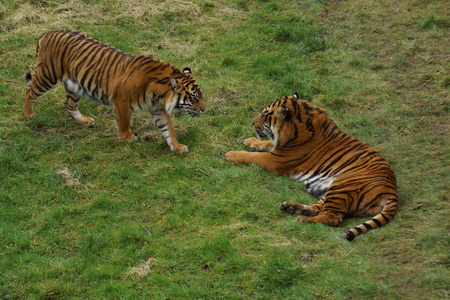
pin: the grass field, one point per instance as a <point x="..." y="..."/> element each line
<point x="85" y="216"/>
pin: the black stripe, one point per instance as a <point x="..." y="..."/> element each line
<point x="377" y="222"/>
<point x="368" y="227"/>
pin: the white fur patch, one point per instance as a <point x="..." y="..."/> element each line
<point x="172" y="105"/>
<point x="317" y="185"/>
<point x="76" y="115"/>
<point x="74" y="87"/>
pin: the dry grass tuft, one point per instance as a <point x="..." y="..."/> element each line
<point x="68" y="177"/>
<point x="27" y="14"/>
<point x="140" y="8"/>
<point x="3" y="12"/>
<point x="36" y="20"/>
<point x="142" y="270"/>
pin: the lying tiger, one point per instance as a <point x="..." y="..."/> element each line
<point x="349" y="177"/>
<point x="109" y="76"/>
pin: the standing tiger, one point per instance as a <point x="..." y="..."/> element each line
<point x="349" y="177"/>
<point x="109" y="76"/>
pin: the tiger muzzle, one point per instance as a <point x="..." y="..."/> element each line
<point x="194" y="114"/>
<point x="261" y="133"/>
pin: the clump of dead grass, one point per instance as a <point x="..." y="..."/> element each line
<point x="27" y="14"/>
<point x="68" y="177"/>
<point x="38" y="19"/>
<point x="3" y="12"/>
<point x="139" y="8"/>
<point x="141" y="270"/>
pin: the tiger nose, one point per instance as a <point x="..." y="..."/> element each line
<point x="201" y="106"/>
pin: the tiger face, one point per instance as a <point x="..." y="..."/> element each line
<point x="189" y="96"/>
<point x="285" y="121"/>
<point x="262" y="123"/>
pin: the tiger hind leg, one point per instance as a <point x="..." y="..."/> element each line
<point x="300" y="209"/>
<point x="317" y="213"/>
<point x="122" y="113"/>
<point x="327" y="218"/>
<point x="37" y="85"/>
<point x="71" y="106"/>
<point x="28" y="110"/>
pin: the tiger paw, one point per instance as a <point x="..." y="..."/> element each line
<point x="287" y="208"/>
<point x="86" y="121"/>
<point x="252" y="142"/>
<point x="256" y="144"/>
<point x="292" y="208"/>
<point x="128" y="137"/>
<point x="234" y="156"/>
<point x="180" y="149"/>
<point x="28" y="114"/>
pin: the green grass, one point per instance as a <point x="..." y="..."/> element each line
<point x="85" y="216"/>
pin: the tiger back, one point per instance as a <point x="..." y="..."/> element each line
<point x="100" y="72"/>
<point x="348" y="177"/>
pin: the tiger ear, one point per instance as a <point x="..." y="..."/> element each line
<point x="285" y="113"/>
<point x="174" y="83"/>
<point x="295" y="95"/>
<point x="187" y="71"/>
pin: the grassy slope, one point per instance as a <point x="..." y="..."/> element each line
<point x="139" y="220"/>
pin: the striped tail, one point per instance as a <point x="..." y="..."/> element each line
<point x="381" y="219"/>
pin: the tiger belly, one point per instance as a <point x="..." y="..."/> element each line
<point x="79" y="91"/>
<point x="317" y="185"/>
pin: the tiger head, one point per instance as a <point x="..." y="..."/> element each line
<point x="288" y="121"/>
<point x="188" y="96"/>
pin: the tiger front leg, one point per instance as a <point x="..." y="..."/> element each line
<point x="164" y="122"/>
<point x="257" y="144"/>
<point x="263" y="159"/>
